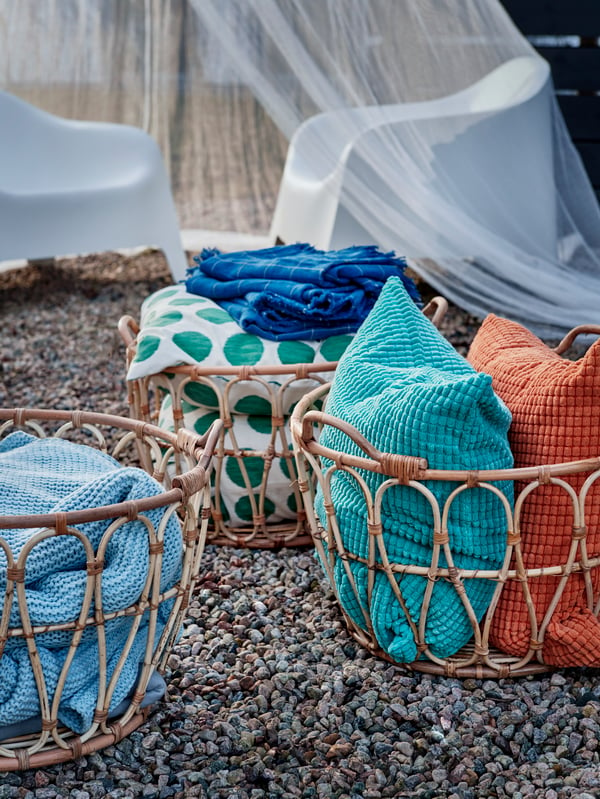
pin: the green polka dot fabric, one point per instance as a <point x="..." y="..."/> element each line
<point x="240" y="478"/>
<point x="178" y="328"/>
<point x="181" y="328"/>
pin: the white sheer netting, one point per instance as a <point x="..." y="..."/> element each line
<point x="439" y="135"/>
<point x="148" y="63"/>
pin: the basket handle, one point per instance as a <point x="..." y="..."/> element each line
<point x="128" y="329"/>
<point x="436" y="309"/>
<point x="572" y="335"/>
<point x="403" y="467"/>
<point x="193" y="480"/>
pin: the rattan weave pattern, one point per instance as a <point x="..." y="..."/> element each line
<point x="187" y="496"/>
<point x="146" y="395"/>
<point x="478" y="658"/>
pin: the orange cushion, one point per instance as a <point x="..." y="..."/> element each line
<point x="556" y="418"/>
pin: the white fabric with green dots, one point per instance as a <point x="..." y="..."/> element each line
<point x="180" y="328"/>
<point x="252" y="432"/>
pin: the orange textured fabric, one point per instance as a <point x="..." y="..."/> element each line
<point x="556" y="418"/>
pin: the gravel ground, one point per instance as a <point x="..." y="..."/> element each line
<point x="268" y="695"/>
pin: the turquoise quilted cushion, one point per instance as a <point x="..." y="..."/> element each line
<point x="405" y="388"/>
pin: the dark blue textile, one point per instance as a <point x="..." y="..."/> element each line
<point x="296" y="291"/>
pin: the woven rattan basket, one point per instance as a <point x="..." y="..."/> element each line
<point x="183" y="506"/>
<point x="147" y="394"/>
<point x="478" y="658"/>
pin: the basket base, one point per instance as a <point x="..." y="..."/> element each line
<point x="277" y="536"/>
<point x="52" y="753"/>
<point x="464" y="664"/>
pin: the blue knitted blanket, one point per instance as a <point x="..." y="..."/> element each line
<point x="51" y="475"/>
<point x="404" y="387"/>
<point x="296" y="291"/>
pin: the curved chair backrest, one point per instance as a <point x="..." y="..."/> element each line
<point x="513" y="82"/>
<point x="490" y="162"/>
<point x="498" y="130"/>
<point x="69" y="187"/>
<point x="38" y="147"/>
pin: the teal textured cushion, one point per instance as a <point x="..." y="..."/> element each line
<point x="405" y="388"/>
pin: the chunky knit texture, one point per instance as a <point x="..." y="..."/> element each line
<point x="556" y="418"/>
<point x="51" y="475"/>
<point x="404" y="387"/>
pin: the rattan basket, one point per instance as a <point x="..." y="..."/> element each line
<point x="183" y="505"/>
<point x="478" y="658"/>
<point x="147" y="394"/>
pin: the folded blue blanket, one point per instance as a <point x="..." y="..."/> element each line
<point x="48" y="476"/>
<point x="296" y="291"/>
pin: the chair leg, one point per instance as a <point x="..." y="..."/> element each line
<point x="176" y="259"/>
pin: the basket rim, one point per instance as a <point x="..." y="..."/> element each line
<point x="299" y="370"/>
<point x="198" y="447"/>
<point x="407" y="467"/>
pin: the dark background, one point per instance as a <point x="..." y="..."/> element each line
<point x="566" y="33"/>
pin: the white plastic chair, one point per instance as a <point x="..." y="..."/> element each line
<point x="69" y="187"/>
<point x="496" y="132"/>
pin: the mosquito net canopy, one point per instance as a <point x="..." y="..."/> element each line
<point x="426" y="126"/>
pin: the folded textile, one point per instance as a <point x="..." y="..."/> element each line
<point x="49" y="476"/>
<point x="296" y="291"/>
<point x="177" y="327"/>
<point x="407" y="391"/>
